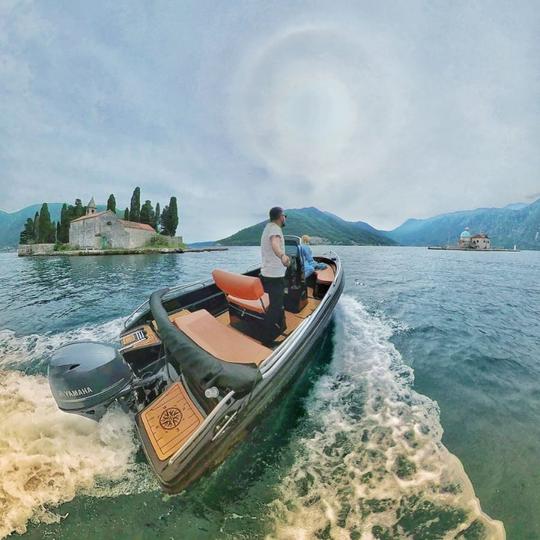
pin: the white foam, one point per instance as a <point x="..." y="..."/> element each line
<point x="375" y="449"/>
<point x="35" y="348"/>
<point x="47" y="456"/>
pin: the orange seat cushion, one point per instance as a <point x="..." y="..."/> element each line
<point x="252" y="305"/>
<point x="220" y="340"/>
<point x="326" y="276"/>
<point x="246" y="287"/>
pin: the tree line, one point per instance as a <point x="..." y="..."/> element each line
<point x="42" y="230"/>
<point x="164" y="221"/>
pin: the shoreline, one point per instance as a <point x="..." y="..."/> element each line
<point x="450" y="248"/>
<point x="105" y="252"/>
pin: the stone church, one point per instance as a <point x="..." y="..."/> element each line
<point x="101" y="230"/>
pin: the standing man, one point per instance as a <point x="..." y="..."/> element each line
<point x="274" y="266"/>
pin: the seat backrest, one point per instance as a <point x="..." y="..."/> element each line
<point x="246" y="287"/>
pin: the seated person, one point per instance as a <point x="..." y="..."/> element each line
<point x="310" y="265"/>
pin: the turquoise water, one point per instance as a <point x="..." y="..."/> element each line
<point x="426" y="381"/>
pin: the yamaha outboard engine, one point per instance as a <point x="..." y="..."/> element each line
<point x="86" y="377"/>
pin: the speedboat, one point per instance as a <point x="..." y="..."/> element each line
<point x="191" y="368"/>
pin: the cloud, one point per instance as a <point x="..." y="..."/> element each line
<point x="370" y="112"/>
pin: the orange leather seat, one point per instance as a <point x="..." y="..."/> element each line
<point x="244" y="291"/>
<point x="326" y="276"/>
<point x="220" y="340"/>
<point x="252" y="305"/>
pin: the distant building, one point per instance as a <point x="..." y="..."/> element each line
<point x="465" y="238"/>
<point x="478" y="241"/>
<point x="101" y="230"/>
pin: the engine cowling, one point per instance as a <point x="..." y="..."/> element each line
<point x="86" y="377"/>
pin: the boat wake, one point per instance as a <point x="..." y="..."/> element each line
<point x="368" y="461"/>
<point x="32" y="351"/>
<point x="370" y="464"/>
<point x="47" y="456"/>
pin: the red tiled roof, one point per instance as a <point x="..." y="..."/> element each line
<point x="481" y="235"/>
<point x="135" y="225"/>
<point x="89" y="216"/>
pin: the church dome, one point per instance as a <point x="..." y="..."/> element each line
<point x="465" y="233"/>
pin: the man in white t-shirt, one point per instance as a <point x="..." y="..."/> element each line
<point x="274" y="266"/>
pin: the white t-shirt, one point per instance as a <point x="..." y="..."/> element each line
<point x="271" y="263"/>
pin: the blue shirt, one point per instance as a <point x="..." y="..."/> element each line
<point x="309" y="263"/>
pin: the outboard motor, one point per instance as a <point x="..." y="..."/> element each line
<point x="86" y="377"/>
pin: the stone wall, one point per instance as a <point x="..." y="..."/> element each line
<point x="100" y="232"/>
<point x="82" y="234"/>
<point x="481" y="243"/>
<point x="138" y="237"/>
<point x="114" y="235"/>
<point x="27" y="250"/>
<point x="173" y="241"/>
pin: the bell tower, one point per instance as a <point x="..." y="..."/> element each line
<point x="91" y="208"/>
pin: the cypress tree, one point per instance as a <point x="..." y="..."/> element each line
<point x="27" y="234"/>
<point x="29" y="228"/>
<point x="135" y="207"/>
<point x="51" y="237"/>
<point x="164" y="221"/>
<point x="63" y="229"/>
<point x="147" y="213"/>
<point x="36" y="227"/>
<point x="44" y="224"/>
<point x="172" y="217"/>
<point x="79" y="209"/>
<point x="58" y="231"/>
<point x="126" y="214"/>
<point x="111" y="203"/>
<point x="157" y="217"/>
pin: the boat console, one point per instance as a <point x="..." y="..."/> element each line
<point x="296" y="293"/>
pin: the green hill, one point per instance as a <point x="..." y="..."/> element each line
<point x="330" y="228"/>
<point x="514" y="224"/>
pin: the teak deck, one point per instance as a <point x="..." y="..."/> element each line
<point x="130" y="340"/>
<point x="170" y="420"/>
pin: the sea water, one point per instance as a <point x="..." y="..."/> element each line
<point x="417" y="418"/>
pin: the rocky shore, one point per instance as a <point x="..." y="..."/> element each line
<point x="47" y="250"/>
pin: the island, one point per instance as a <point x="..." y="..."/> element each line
<point x="477" y="242"/>
<point x="89" y="230"/>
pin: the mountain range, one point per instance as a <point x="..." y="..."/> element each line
<point x="515" y="224"/>
<point x="327" y="227"/>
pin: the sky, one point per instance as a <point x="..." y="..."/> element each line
<point x="374" y="111"/>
